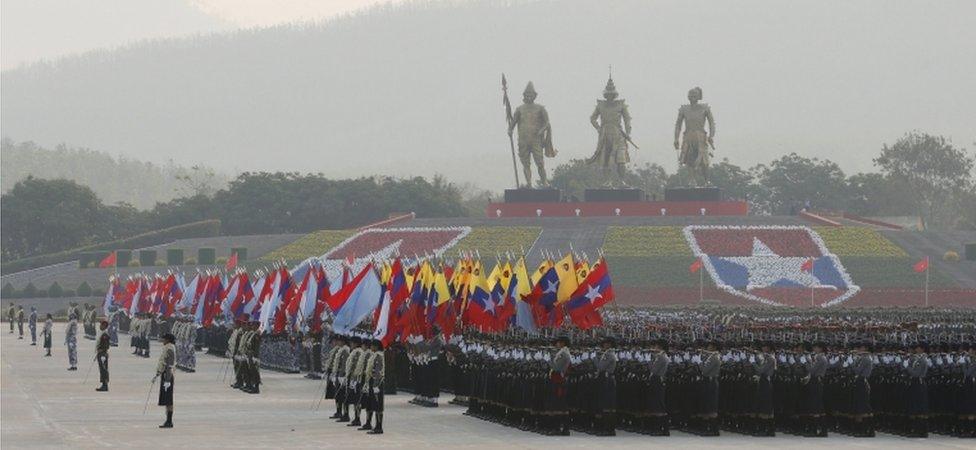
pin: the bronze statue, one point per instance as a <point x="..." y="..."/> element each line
<point x="534" y="135"/>
<point x="695" y="145"/>
<point x="611" y="146"/>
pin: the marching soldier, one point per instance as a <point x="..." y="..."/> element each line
<point x="352" y="383"/>
<point x="337" y="374"/>
<point x="656" y="423"/>
<point x="48" y="334"/>
<point x="101" y="355"/>
<point x="113" y="325"/>
<point x="71" y="341"/>
<point x="918" y="396"/>
<point x="232" y="352"/>
<point x="606" y="391"/>
<point x="375" y="373"/>
<point x="20" y="321"/>
<point x="32" y="324"/>
<point x="164" y="371"/>
<point x="556" y="409"/>
<point x="11" y="315"/>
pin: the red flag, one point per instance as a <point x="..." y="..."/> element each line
<point x="109" y="261"/>
<point x="807" y="265"/>
<point x="695" y="266"/>
<point x="922" y="265"/>
<point x="231" y="262"/>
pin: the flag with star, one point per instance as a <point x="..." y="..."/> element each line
<point x="775" y="265"/>
<point x="595" y="291"/>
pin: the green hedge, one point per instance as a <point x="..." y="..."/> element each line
<point x="174" y="257"/>
<point x="205" y="228"/>
<point x="123" y="257"/>
<point x="147" y="258"/>
<point x="888" y="272"/>
<point x="653" y="271"/>
<point x="206" y="256"/>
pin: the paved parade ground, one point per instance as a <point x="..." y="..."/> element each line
<point x="46" y="406"/>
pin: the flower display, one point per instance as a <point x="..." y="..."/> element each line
<point x="499" y="240"/>
<point x="383" y="243"/>
<point x="645" y="241"/>
<point x="858" y="241"/>
<point x="312" y="244"/>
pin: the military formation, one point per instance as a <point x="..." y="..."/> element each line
<point x="700" y="370"/>
<point x="244" y="350"/>
<point x="184" y="330"/>
<point x="354" y="375"/>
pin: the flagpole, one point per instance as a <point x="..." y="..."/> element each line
<point x="926" y="281"/>
<point x="701" y="285"/>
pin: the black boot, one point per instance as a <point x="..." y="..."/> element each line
<point x="378" y="429"/>
<point x="345" y="413"/>
<point x="338" y="411"/>
<point x="355" y="421"/>
<point x="169" y="420"/>
<point x="369" y="421"/>
<point x="102" y="388"/>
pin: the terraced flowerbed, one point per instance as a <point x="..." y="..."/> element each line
<point x="857" y="241"/>
<point x="313" y="244"/>
<point x="645" y="242"/>
<point x="497" y="240"/>
<point x="886" y="272"/>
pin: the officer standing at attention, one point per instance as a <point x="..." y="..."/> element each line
<point x="103" y="343"/>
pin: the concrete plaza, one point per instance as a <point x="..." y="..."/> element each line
<point x="42" y="405"/>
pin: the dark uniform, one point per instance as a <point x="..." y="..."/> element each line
<point x="103" y="343"/>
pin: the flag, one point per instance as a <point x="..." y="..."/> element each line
<point x="595" y="292"/>
<point x="113" y="286"/>
<point x="362" y="300"/>
<point x="231" y="262"/>
<point x="523" y="311"/>
<point x="922" y="265"/>
<point x="807" y="265"/>
<point x="543" y="300"/>
<point x="695" y="266"/>
<point x="108" y="261"/>
<point x="566" y="270"/>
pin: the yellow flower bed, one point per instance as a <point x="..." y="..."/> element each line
<point x="490" y="241"/>
<point x="645" y="241"/>
<point x="858" y="241"/>
<point x="312" y="244"/>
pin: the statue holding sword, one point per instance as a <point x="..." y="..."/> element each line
<point x="695" y="153"/>
<point x="611" y="119"/>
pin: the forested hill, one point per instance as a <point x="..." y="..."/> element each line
<point x="414" y="89"/>
<point x="113" y="179"/>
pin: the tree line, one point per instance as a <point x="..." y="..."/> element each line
<point x="919" y="175"/>
<point x="44" y="216"/>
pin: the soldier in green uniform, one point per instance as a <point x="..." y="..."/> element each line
<point x="611" y="119"/>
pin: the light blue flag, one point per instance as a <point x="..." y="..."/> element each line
<point x="362" y="302"/>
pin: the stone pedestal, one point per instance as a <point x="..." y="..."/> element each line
<point x="532" y="195"/>
<point x="693" y="194"/>
<point x="613" y="195"/>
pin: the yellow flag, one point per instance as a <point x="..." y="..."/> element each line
<point x="505" y="276"/>
<point x="566" y="270"/>
<point x="440" y="286"/>
<point x="540" y="271"/>
<point x="493" y="277"/>
<point x="582" y="272"/>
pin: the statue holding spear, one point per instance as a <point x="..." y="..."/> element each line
<point x="534" y="133"/>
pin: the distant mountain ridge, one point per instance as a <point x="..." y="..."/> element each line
<point x="113" y="179"/>
<point x="414" y="89"/>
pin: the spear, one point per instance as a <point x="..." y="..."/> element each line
<point x="508" y="118"/>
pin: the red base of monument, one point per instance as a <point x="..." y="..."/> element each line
<point x="628" y="209"/>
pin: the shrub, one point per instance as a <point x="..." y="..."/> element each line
<point x="84" y="289"/>
<point x="174" y="257"/>
<point x="950" y="256"/>
<point x="7" y="291"/>
<point x="206" y="256"/>
<point x="122" y="257"/>
<point x="30" y="291"/>
<point x="55" y="290"/>
<point x="135" y="263"/>
<point x="147" y="258"/>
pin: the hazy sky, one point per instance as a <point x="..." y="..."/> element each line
<point x="45" y="29"/>
<point x="381" y="93"/>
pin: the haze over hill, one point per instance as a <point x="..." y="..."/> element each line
<point x="414" y="90"/>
